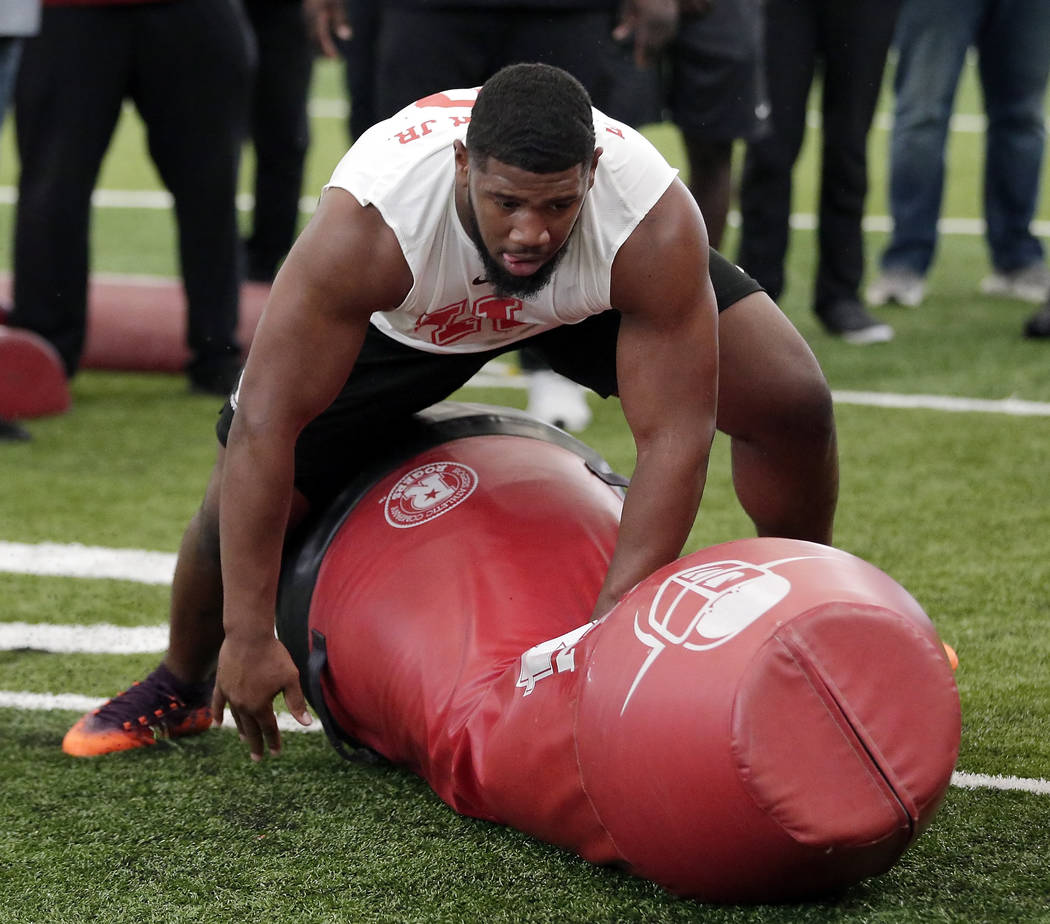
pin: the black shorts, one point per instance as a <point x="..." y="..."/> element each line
<point x="391" y="381"/>
<point x="715" y="79"/>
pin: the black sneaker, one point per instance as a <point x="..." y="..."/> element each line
<point x="1037" y="326"/>
<point x="849" y="320"/>
<point x="11" y="431"/>
<point x="216" y="375"/>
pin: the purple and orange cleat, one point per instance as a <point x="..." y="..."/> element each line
<point x="161" y="706"/>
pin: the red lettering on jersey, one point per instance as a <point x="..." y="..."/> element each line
<point x="499" y="310"/>
<point x="443" y="101"/>
<point x="416" y="131"/>
<point x="452" y="323"/>
<point x="457" y="121"/>
<point x="614" y="131"/>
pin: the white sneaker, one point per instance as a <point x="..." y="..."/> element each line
<point x="557" y="400"/>
<point x="1029" y="283"/>
<point x="897" y="285"/>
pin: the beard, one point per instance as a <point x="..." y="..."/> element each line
<point x="505" y="283"/>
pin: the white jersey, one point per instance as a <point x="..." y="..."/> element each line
<point x="405" y="168"/>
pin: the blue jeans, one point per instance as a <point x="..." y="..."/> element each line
<point x="10" y="53"/>
<point x="1012" y="39"/>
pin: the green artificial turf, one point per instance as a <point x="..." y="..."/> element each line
<point x="955" y="506"/>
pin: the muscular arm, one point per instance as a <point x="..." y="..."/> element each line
<point x="345" y="265"/>
<point x="667" y="369"/>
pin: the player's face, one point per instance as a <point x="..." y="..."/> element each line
<point x="520" y="221"/>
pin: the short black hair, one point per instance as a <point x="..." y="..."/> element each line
<point x="532" y="116"/>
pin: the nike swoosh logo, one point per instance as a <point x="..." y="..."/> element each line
<point x="479" y="281"/>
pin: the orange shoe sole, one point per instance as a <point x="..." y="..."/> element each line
<point x="82" y="741"/>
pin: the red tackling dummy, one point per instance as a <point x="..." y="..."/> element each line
<point x="763" y="720"/>
<point x="32" y="379"/>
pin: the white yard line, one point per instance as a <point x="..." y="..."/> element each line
<point x="986" y="781"/>
<point x="1010" y="406"/>
<point x="100" y="638"/>
<point x="75" y="560"/>
<point x="75" y="702"/>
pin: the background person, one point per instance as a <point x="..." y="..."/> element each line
<point x="280" y="130"/>
<point x="1012" y="40"/>
<point x="18" y="18"/>
<point x="717" y="95"/>
<point x="847" y="43"/>
<point x="186" y="66"/>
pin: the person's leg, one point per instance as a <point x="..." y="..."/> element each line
<point x="854" y="41"/>
<point x="765" y="191"/>
<point x="359" y="53"/>
<point x="68" y="95"/>
<point x="717" y="95"/>
<point x="711" y="181"/>
<point x="931" y="40"/>
<point x="775" y="405"/>
<point x="195" y="630"/>
<point x="1014" y="63"/>
<point x="10" y="55"/>
<point x="280" y="131"/>
<point x="185" y="51"/>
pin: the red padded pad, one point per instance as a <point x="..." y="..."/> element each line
<point x="783" y="713"/>
<point x="138" y="323"/>
<point x="32" y="379"/>
<point x="866" y="684"/>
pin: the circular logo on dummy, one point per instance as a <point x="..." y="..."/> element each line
<point x="428" y="492"/>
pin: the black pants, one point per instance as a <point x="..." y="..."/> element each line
<point x="848" y="43"/>
<point x="186" y="67"/>
<point x="422" y="51"/>
<point x="280" y="130"/>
